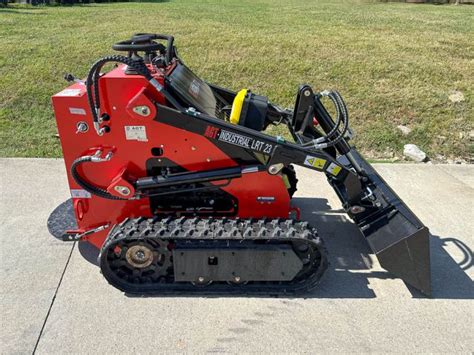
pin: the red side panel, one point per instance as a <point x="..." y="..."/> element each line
<point x="132" y="137"/>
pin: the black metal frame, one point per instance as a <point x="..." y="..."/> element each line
<point x="395" y="234"/>
<point x="276" y="149"/>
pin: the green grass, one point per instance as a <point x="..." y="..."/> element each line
<point x="394" y="63"/>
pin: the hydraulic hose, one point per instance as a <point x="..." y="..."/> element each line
<point x="342" y="114"/>
<point x="93" y="79"/>
<point x="345" y="119"/>
<point x="94" y="190"/>
<point x="137" y="65"/>
<point x="338" y="115"/>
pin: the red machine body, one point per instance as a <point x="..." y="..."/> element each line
<point x="134" y="139"/>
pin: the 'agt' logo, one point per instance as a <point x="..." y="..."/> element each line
<point x="211" y="132"/>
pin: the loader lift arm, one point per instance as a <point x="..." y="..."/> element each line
<point x="395" y="234"/>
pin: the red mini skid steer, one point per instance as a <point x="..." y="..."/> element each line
<point x="174" y="182"/>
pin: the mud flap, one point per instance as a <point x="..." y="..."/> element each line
<point x="397" y="237"/>
<point x="61" y="220"/>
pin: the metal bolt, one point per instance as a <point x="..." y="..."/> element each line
<point x="142" y="110"/>
<point x="140" y="255"/>
<point x="193" y="148"/>
<point x="275" y="168"/>
<point x="81" y="127"/>
<point x="357" y="209"/>
<point x="201" y="279"/>
<point x="208" y="160"/>
<point x="307" y="93"/>
<point x="123" y="190"/>
<point x="237" y="279"/>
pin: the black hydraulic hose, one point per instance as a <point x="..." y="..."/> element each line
<point x="95" y="190"/>
<point x="345" y="115"/>
<point x="137" y="65"/>
<point x="93" y="78"/>
<point x="342" y="115"/>
<point x="345" y="111"/>
<point x="338" y="115"/>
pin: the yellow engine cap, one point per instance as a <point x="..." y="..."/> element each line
<point x="237" y="106"/>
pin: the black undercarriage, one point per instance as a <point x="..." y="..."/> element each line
<point x="213" y="256"/>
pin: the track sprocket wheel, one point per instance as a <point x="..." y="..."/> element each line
<point x="141" y="262"/>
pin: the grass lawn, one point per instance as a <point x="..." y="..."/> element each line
<point x="394" y="63"/>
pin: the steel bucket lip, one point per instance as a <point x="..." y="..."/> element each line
<point x="396" y="235"/>
<point x="410" y="260"/>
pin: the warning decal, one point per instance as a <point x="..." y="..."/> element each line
<point x="333" y="169"/>
<point x="135" y="133"/>
<point x="317" y="163"/>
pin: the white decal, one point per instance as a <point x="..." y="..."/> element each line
<point x="77" y="111"/>
<point x="79" y="193"/>
<point x="252" y="169"/>
<point x="69" y="92"/>
<point x="194" y="88"/>
<point x="136" y="133"/>
<point x="245" y="142"/>
<point x="265" y="198"/>
<point x="234" y="138"/>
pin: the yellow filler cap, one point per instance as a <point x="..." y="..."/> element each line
<point x="237" y="106"/>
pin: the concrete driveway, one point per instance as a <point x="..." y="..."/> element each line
<point x="54" y="301"/>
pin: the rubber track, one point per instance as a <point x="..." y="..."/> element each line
<point x="194" y="229"/>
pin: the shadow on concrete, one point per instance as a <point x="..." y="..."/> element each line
<point x="350" y="256"/>
<point x="348" y="275"/>
<point x="349" y="253"/>
<point x="449" y="277"/>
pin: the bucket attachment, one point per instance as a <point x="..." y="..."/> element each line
<point x="396" y="236"/>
